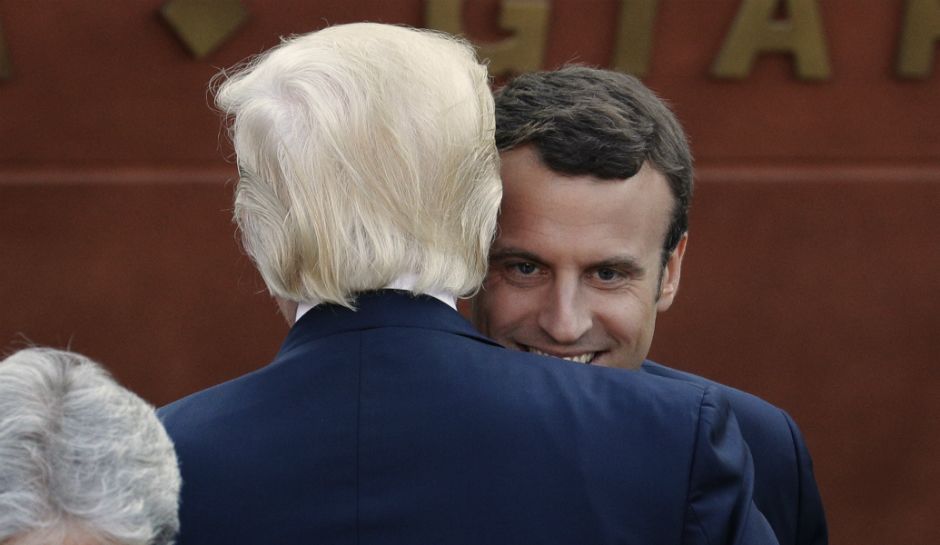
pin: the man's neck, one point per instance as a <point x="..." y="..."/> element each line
<point x="404" y="282"/>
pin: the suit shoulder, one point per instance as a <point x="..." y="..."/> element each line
<point x="200" y="409"/>
<point x="749" y="408"/>
<point x="617" y="389"/>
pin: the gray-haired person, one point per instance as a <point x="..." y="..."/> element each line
<point x="83" y="461"/>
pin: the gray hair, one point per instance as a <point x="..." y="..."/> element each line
<point x="365" y="152"/>
<point x="80" y="455"/>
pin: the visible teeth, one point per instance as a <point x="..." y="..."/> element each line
<point x="582" y="358"/>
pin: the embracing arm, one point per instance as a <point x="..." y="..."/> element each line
<point x="811" y="518"/>
<point x="720" y="508"/>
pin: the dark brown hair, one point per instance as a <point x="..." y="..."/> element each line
<point x="587" y="121"/>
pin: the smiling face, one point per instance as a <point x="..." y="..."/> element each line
<point x="575" y="270"/>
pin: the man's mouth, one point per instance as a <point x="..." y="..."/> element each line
<point x="585" y="358"/>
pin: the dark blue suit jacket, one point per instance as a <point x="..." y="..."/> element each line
<point x="399" y="424"/>
<point x="785" y="489"/>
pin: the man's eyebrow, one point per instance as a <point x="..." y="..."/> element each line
<point x="624" y="263"/>
<point x="517" y="253"/>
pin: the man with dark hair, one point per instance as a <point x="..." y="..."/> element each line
<point x="597" y="179"/>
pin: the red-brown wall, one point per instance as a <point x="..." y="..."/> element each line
<point x="810" y="277"/>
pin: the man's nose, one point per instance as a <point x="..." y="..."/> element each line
<point x="564" y="315"/>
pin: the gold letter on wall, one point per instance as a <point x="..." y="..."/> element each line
<point x="755" y="30"/>
<point x="635" y="36"/>
<point x="921" y="31"/>
<point x="523" y="52"/>
<point x="6" y="69"/>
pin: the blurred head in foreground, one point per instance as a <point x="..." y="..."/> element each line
<point x="365" y="153"/>
<point x="82" y="460"/>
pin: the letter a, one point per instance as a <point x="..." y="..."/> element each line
<point x="755" y="31"/>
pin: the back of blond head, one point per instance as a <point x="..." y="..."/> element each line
<point x="365" y="152"/>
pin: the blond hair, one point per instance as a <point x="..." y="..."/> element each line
<point x="366" y="152"/>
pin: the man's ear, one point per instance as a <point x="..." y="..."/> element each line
<point x="288" y="309"/>
<point x="468" y="307"/>
<point x="669" y="285"/>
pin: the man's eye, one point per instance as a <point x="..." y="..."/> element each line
<point x="610" y="277"/>
<point x="524" y="268"/>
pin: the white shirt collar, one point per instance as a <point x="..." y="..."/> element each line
<point x="405" y="282"/>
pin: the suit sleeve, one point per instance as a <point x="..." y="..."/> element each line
<point x="720" y="507"/>
<point x="811" y="522"/>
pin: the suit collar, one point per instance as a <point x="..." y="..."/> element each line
<point x="405" y="282"/>
<point x="383" y="308"/>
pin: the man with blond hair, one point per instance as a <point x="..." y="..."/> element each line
<point x="367" y="196"/>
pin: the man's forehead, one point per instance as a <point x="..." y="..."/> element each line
<point x="523" y="172"/>
<point x="539" y="203"/>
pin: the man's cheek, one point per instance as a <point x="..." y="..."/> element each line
<point x="486" y="309"/>
<point x="492" y="277"/>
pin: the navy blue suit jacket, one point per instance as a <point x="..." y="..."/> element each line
<point x="400" y="424"/>
<point x="785" y="489"/>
